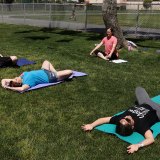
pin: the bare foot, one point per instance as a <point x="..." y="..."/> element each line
<point x="107" y="59"/>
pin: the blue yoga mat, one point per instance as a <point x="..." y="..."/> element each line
<point x="75" y="74"/>
<point x="24" y="62"/>
<point x="135" y="137"/>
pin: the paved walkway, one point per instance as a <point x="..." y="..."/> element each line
<point x="129" y="31"/>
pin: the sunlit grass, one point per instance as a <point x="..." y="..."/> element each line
<point x="45" y="124"/>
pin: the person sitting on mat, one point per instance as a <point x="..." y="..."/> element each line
<point x="47" y="74"/>
<point x="110" y="43"/>
<point x="7" y="61"/>
<point x="138" y="118"/>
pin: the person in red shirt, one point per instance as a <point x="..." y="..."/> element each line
<point x="110" y="43"/>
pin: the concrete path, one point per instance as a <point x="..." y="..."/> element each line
<point x="72" y="25"/>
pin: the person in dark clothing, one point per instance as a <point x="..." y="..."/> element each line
<point x="7" y="61"/>
<point x="73" y="16"/>
<point x="138" y="118"/>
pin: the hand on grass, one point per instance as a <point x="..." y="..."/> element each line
<point x="7" y="87"/>
<point x="4" y="85"/>
<point x="132" y="148"/>
<point x="91" y="53"/>
<point x="87" y="127"/>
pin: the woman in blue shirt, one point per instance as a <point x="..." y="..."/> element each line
<point x="47" y="74"/>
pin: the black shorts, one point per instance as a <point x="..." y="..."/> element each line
<point x="113" y="57"/>
<point x="6" y="62"/>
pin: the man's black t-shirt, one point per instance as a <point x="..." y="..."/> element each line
<point x="144" y="117"/>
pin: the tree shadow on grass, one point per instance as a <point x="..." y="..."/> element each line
<point x="37" y="37"/>
<point x="65" y="40"/>
<point x="60" y="41"/>
<point x="46" y="30"/>
<point x="25" y="31"/>
<point x="89" y="36"/>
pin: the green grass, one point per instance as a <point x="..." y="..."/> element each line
<point x="45" y="124"/>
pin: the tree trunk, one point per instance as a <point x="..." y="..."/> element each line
<point x="109" y="11"/>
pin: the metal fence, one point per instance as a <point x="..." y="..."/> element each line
<point x="134" y="19"/>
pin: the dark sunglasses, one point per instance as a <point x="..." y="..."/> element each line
<point x="128" y="120"/>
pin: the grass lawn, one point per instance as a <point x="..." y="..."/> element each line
<point x="45" y="124"/>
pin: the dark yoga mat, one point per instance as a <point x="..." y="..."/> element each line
<point x="24" y="62"/>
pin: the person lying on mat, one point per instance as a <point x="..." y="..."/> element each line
<point x="138" y="118"/>
<point x="47" y="74"/>
<point x="110" y="43"/>
<point x="7" y="61"/>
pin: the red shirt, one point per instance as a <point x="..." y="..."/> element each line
<point x="108" y="43"/>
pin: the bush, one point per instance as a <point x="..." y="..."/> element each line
<point x="147" y="3"/>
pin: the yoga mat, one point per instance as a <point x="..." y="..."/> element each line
<point x="23" y="62"/>
<point x="75" y="74"/>
<point x="135" y="137"/>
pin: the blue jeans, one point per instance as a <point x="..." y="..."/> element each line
<point x="51" y="76"/>
<point x="143" y="97"/>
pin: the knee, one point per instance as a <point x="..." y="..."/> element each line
<point x="46" y="61"/>
<point x="139" y="88"/>
<point x="14" y="58"/>
<point x="69" y="72"/>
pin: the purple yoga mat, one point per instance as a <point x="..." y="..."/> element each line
<point x="24" y="62"/>
<point x="75" y="74"/>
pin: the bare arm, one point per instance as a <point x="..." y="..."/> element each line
<point x="89" y="127"/>
<point x="98" y="46"/>
<point x="149" y="139"/>
<point x="5" y="82"/>
<point x="19" y="89"/>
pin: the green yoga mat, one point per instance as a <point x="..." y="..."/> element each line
<point x="135" y="137"/>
